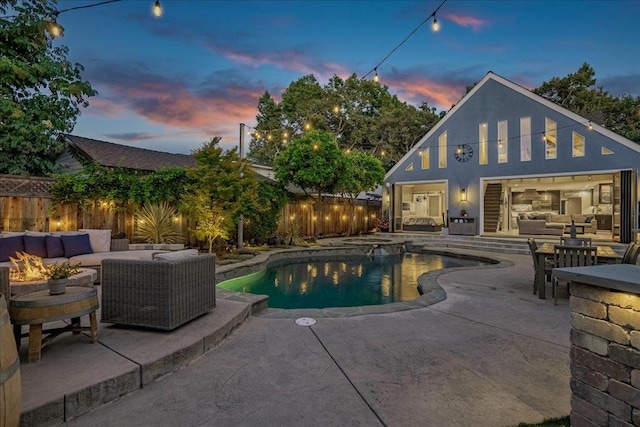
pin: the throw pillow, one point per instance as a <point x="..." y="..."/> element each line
<point x="35" y="245"/>
<point x="54" y="246"/>
<point x="9" y="246"/>
<point x="177" y="255"/>
<point x="76" y="245"/>
<point x="100" y="239"/>
<point x="588" y="219"/>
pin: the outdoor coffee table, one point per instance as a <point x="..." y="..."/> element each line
<point x="39" y="307"/>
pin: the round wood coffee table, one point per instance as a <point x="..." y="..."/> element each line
<point x="39" y="307"/>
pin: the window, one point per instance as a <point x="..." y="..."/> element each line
<point x="503" y="142"/>
<point x="442" y="154"/>
<point x="577" y="145"/>
<point x="425" y="158"/>
<point x="605" y="151"/>
<point x="525" y="139"/>
<point x="550" y="139"/>
<point x="483" y="135"/>
<point x="409" y="167"/>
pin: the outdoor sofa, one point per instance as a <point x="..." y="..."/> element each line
<point x="86" y="247"/>
<point x="163" y="293"/>
<point x="540" y="226"/>
<point x="415" y="223"/>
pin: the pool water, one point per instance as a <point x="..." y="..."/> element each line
<point x="346" y="283"/>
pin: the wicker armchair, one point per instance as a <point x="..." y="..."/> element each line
<point x="157" y="294"/>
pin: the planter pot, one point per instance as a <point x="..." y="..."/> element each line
<point x="57" y="286"/>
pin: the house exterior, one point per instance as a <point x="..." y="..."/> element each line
<point x="83" y="151"/>
<point x="504" y="155"/>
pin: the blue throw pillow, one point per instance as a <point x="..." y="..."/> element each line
<point x="76" y="245"/>
<point x="35" y="245"/>
<point x="9" y="246"/>
<point x="54" y="246"/>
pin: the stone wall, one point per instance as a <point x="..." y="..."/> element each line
<point x="605" y="356"/>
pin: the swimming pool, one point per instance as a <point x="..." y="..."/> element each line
<point x="352" y="281"/>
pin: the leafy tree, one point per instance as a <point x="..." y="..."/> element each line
<point x="221" y="181"/>
<point x="315" y="163"/>
<point x="41" y="90"/>
<point x="261" y="224"/>
<point x="212" y="223"/>
<point x="361" y="115"/>
<point x="578" y="92"/>
<point x="364" y="172"/>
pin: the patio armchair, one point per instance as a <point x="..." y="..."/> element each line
<point x="533" y="247"/>
<point x="631" y="254"/>
<point x="159" y="294"/>
<point x="572" y="256"/>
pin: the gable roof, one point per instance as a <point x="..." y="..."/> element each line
<point x="116" y="155"/>
<point x="525" y="92"/>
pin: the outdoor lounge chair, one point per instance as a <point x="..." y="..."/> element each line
<point x="160" y="294"/>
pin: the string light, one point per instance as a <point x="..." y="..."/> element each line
<point x="433" y="15"/>
<point x="376" y="78"/>
<point x="590" y="125"/>
<point x="435" y="26"/>
<point x="157" y="9"/>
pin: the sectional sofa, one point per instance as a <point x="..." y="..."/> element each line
<point x="86" y="247"/>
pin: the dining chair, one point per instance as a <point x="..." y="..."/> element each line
<point x="575" y="241"/>
<point x="533" y="247"/>
<point x="631" y="254"/>
<point x="571" y="256"/>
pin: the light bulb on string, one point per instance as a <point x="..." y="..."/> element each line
<point x="376" y="77"/>
<point x="55" y="30"/>
<point x="544" y="137"/>
<point x="157" y="9"/>
<point x="307" y="126"/>
<point x="590" y="126"/>
<point x="336" y="109"/>
<point x="435" y="26"/>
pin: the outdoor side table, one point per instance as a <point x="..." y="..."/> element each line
<point x="39" y="307"/>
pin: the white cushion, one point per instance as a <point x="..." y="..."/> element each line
<point x="177" y="255"/>
<point x="100" y="239"/>
<point x="37" y="233"/>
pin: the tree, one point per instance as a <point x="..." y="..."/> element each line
<point x="221" y="182"/>
<point x="361" y="115"/>
<point x="364" y="172"/>
<point x="41" y="90"/>
<point x="578" y="92"/>
<point x="315" y="163"/>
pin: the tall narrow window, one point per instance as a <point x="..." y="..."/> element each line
<point x="503" y="142"/>
<point x="577" y="145"/>
<point x="442" y="150"/>
<point x="425" y="158"/>
<point x="550" y="139"/>
<point x="483" y="135"/>
<point x="525" y="139"/>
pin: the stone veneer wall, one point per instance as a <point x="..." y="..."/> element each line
<point x="605" y="357"/>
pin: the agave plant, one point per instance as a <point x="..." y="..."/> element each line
<point x="155" y="224"/>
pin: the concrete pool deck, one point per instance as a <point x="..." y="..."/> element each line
<point x="490" y="354"/>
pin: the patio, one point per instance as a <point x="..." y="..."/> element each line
<point x="481" y="357"/>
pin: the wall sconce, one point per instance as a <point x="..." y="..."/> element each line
<point x="463" y="194"/>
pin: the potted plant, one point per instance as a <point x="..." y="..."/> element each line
<point x="58" y="276"/>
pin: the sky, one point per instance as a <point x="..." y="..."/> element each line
<point x="174" y="82"/>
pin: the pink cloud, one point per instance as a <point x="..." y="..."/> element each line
<point x="438" y="94"/>
<point x="467" y="21"/>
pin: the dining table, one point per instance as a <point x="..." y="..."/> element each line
<point x="606" y="255"/>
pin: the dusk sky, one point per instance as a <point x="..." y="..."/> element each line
<point x="174" y="82"/>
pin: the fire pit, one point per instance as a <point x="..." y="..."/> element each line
<point x="28" y="275"/>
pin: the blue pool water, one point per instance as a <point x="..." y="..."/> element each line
<point x="345" y="283"/>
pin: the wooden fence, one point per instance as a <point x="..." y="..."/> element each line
<point x="25" y="204"/>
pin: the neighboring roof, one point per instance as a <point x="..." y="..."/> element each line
<point x="529" y="94"/>
<point x="116" y="155"/>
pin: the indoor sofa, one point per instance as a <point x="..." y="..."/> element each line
<point x="589" y="222"/>
<point x="540" y="226"/>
